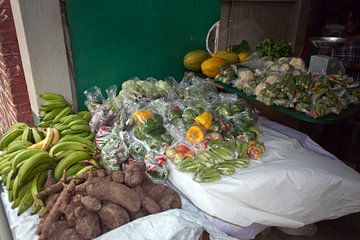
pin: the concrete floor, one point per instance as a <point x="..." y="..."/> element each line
<point x="344" y="228"/>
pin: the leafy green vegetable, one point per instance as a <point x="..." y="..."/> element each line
<point x="274" y="48"/>
<point x="242" y="47"/>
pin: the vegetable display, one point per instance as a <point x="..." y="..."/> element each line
<point x="194" y="126"/>
<point x="101" y="202"/>
<point x="284" y="82"/>
<point x="274" y="48"/>
<point x="29" y="152"/>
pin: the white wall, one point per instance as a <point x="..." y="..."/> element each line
<point x="42" y="47"/>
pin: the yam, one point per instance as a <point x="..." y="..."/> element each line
<point x="134" y="174"/>
<point x="91" y="203"/>
<point x="118" y="176"/>
<point x="150" y="205"/>
<point x="113" y="216"/>
<point x="87" y="223"/>
<point x="114" y="192"/>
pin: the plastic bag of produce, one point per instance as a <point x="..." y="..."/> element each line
<point x="103" y="111"/>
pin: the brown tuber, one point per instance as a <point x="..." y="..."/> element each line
<point x="113" y="216"/>
<point x="91" y="203"/>
<point x="101" y="202"/>
<point x="134" y="174"/>
<point x="87" y="223"/>
<point x="103" y="189"/>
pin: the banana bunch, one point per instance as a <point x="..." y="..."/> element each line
<point x="52" y="137"/>
<point x="53" y="109"/>
<point x="73" y="154"/>
<point x="23" y="173"/>
<point x="14" y="133"/>
<point x="75" y="125"/>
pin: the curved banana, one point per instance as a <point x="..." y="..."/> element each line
<point x="36" y="185"/>
<point x="52" y="114"/>
<point x="74" y="169"/>
<point x="56" y="136"/>
<point x="36" y="135"/>
<point x="71" y="145"/>
<point x="9" y="137"/>
<point x="65" y="112"/>
<point x="60" y="155"/>
<point x="69" y="160"/>
<point x="20" y="192"/>
<point x="78" y="122"/>
<point x="81" y="128"/>
<point x="74" y="138"/>
<point x="25" y="203"/>
<point x="32" y="163"/>
<point x="48" y="139"/>
<point x="51" y="96"/>
<point x="22" y="156"/>
<point x="16" y="146"/>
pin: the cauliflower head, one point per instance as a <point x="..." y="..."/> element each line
<point x="297" y="63"/>
<point x="246" y="75"/>
<point x="273" y="78"/>
<point x="259" y="88"/>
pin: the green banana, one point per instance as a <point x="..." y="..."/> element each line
<point x="71" y="118"/>
<point x="18" y="145"/>
<point x="5" y="170"/>
<point x="36" y="185"/>
<point x="92" y="162"/>
<point x="51" y="96"/>
<point x="22" y="156"/>
<point x="85" y="115"/>
<point x="20" y="192"/>
<point x="26" y="135"/>
<point x="52" y="114"/>
<point x="72" y="145"/>
<point x="45" y="124"/>
<point x="10" y="196"/>
<point x="60" y="155"/>
<point x="36" y="135"/>
<point x="81" y="128"/>
<point x="31" y="164"/>
<point x="35" y="208"/>
<point x="49" y="105"/>
<point x="19" y="125"/>
<point x="62" y="127"/>
<point x="69" y="160"/>
<point x="10" y="180"/>
<point x="25" y="203"/>
<point x="78" y="122"/>
<point x="85" y="169"/>
<point x="91" y="136"/>
<point x="73" y="138"/>
<point x="66" y="118"/>
<point x="65" y="112"/>
<point x="74" y="169"/>
<point x="9" y="137"/>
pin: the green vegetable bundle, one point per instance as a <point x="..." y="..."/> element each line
<point x="274" y="48"/>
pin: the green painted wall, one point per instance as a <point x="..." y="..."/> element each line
<point x="114" y="40"/>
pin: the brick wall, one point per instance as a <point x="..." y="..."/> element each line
<point x="14" y="98"/>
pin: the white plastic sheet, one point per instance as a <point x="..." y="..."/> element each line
<point x="179" y="224"/>
<point x="291" y="186"/>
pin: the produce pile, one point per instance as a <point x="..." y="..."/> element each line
<point x="190" y="123"/>
<point x="285" y="82"/>
<point x="101" y="202"/>
<point x="27" y="153"/>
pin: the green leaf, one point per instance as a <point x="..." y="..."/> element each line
<point x="242" y="47"/>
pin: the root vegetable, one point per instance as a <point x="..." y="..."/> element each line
<point x="153" y="190"/>
<point x="87" y="223"/>
<point x="91" y="203"/>
<point x="141" y="213"/>
<point x="134" y="174"/>
<point x="55" y="188"/>
<point x="118" y="176"/>
<point x="170" y="200"/>
<point x="114" y="192"/>
<point x="113" y="216"/>
<point x="150" y="205"/>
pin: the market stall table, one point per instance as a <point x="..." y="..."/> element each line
<point x="296" y="183"/>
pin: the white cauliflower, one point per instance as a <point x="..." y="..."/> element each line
<point x="259" y="88"/>
<point x="273" y="78"/>
<point x="284" y="67"/>
<point x="258" y="72"/>
<point x="246" y="75"/>
<point x="275" y="68"/>
<point x="297" y="63"/>
<point x="268" y="63"/>
<point x="296" y="73"/>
